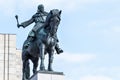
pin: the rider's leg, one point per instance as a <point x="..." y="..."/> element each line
<point x="30" y="38"/>
<point x="31" y="35"/>
<point x="58" y="49"/>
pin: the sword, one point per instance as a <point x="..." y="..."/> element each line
<point x="18" y="25"/>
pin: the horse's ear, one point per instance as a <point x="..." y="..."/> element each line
<point x="60" y="12"/>
<point x="51" y="12"/>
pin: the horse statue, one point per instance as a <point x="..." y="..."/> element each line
<point x="44" y="43"/>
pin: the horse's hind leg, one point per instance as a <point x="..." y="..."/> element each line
<point x="26" y="68"/>
<point x="35" y="64"/>
<point x="42" y="57"/>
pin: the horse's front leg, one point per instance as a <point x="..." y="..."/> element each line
<point x="42" y="56"/>
<point x="51" y="52"/>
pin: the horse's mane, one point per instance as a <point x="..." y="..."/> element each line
<point x="52" y="13"/>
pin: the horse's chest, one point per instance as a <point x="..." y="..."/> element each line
<point x="51" y="41"/>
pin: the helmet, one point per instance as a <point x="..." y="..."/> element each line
<point x="41" y="8"/>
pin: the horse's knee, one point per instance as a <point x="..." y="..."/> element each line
<point x="51" y="59"/>
<point x="25" y="55"/>
<point x="27" y="63"/>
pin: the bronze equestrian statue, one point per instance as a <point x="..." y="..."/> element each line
<point x="40" y="42"/>
<point x="39" y="19"/>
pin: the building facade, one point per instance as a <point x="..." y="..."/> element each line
<point x="10" y="58"/>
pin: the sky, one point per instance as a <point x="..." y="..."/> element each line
<point x="89" y="34"/>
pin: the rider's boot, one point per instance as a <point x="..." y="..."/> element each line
<point x="58" y="49"/>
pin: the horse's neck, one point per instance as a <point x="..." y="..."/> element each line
<point x="47" y="31"/>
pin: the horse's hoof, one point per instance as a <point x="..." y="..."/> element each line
<point x="42" y="68"/>
<point x="49" y="69"/>
<point x="34" y="71"/>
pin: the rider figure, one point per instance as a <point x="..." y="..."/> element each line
<point x="39" y="18"/>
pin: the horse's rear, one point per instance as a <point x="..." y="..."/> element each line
<point x="29" y="52"/>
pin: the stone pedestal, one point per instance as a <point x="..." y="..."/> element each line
<point x="47" y="75"/>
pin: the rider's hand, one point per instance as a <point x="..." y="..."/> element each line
<point x="19" y="25"/>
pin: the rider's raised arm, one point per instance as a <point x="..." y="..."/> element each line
<point x="28" y="22"/>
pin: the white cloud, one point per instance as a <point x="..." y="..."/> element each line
<point x="61" y="4"/>
<point x="116" y="29"/>
<point x="97" y="22"/>
<point x="113" y="31"/>
<point x="7" y="6"/>
<point x="95" y="78"/>
<point x="66" y="5"/>
<point x="75" y="57"/>
<point x="103" y="27"/>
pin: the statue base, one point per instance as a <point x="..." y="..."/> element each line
<point x="47" y="75"/>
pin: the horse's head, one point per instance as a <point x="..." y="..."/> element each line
<point x="54" y="20"/>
